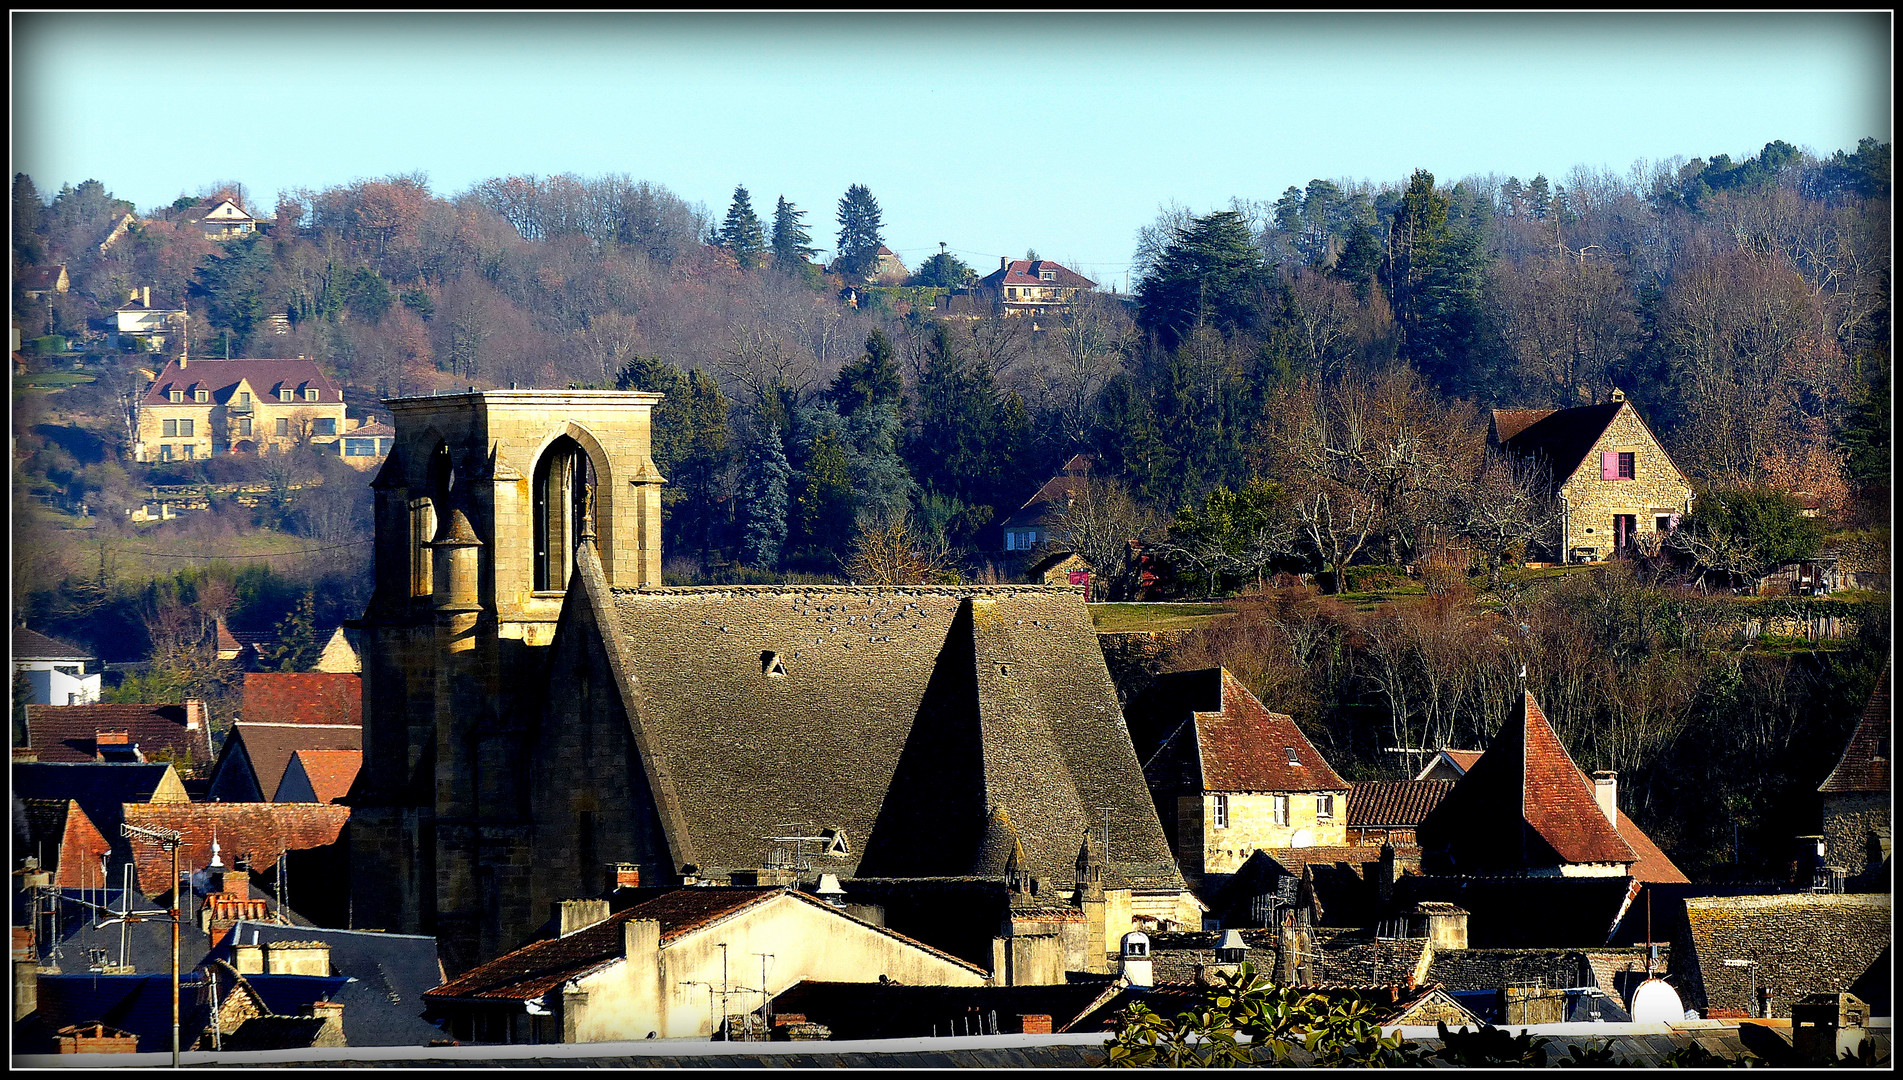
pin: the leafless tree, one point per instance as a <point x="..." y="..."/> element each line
<point x="894" y="553"/>
<point x="1508" y="507"/>
<point x="1099" y="523"/>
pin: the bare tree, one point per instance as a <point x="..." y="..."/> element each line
<point x="1508" y="507"/>
<point x="894" y="553"/>
<point x="1098" y="523"/>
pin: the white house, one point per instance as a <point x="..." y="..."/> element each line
<point x="55" y="670"/>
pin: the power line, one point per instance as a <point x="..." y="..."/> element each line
<point x="258" y="555"/>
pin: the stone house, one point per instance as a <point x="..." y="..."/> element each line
<point x="1616" y="485"/>
<point x="1856" y="795"/>
<point x="37" y="281"/>
<point x="1061" y="568"/>
<point x="1229" y="777"/>
<point x="200" y="408"/>
<point x="366" y="445"/>
<point x="1031" y="527"/>
<point x="1791" y="944"/>
<point x="56" y="672"/>
<point x="537" y="705"/>
<point x="676" y="966"/>
<point x="1031" y="286"/>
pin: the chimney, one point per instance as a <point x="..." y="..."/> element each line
<point x="572" y="915"/>
<point x="1618" y="394"/>
<point x="332" y="1031"/>
<point x="624" y="875"/>
<point x="145" y="295"/>
<point x="1446" y="925"/>
<point x="1133" y="960"/>
<point x="1605" y="792"/>
<point x="194" y="714"/>
<point x="830" y="891"/>
<point x="1034" y="1023"/>
<point x="1231" y="949"/>
<point x="1004" y="261"/>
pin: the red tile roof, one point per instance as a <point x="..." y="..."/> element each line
<point x="1563" y="437"/>
<point x="1865" y="765"/>
<point x="330" y="772"/>
<point x="1654" y="866"/>
<point x="67" y="732"/>
<point x="306" y="697"/>
<point x="1029" y="271"/>
<point x="263" y="831"/>
<point x="267" y="748"/>
<point x="1245" y="747"/>
<point x="1295" y="859"/>
<point x="29" y="645"/>
<point x="221" y="377"/>
<point x="1510" y="422"/>
<point x="1462" y="759"/>
<point x="1394" y="802"/>
<point x="1054" y="497"/>
<point x="1523" y="804"/>
<point x="59" y="831"/>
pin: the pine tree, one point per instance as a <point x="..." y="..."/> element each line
<point x="957" y="422"/>
<point x="859" y="236"/>
<point x="742" y="234"/>
<point x="872" y="379"/>
<point x="297" y="647"/>
<point x="765" y="477"/>
<point x="1209" y="275"/>
<point x="29" y="215"/>
<point x="827" y="507"/>
<point x="791" y="241"/>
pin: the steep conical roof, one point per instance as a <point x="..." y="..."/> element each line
<point x="1865" y="765"/>
<point x="1523" y="804"/>
<point x="1001" y="853"/>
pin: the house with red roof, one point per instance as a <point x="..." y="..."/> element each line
<point x="255" y="758"/>
<point x="199" y="408"/>
<point x="321" y="776"/>
<point x="1619" y="491"/>
<point x="1229" y="777"/>
<point x="303" y="697"/>
<point x="1031" y="286"/>
<point x="1034" y="525"/>
<point x="178" y="734"/>
<point x="675" y="965"/>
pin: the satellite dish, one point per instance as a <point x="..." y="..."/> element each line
<point x="1656" y="1003"/>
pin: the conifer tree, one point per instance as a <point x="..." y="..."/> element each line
<point x="765" y="477"/>
<point x="792" y="244"/>
<point x="859" y="237"/>
<point x="742" y="234"/>
<point x="826" y="501"/>
<point x="872" y="379"/>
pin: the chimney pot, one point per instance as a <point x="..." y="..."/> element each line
<point x="1605" y="792"/>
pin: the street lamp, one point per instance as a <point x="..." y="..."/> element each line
<point x="168" y="840"/>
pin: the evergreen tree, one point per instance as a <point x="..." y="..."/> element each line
<point x="366" y="295"/>
<point x="765" y="478"/>
<point x="1436" y="271"/>
<point x="873" y="379"/>
<point x="297" y="647"/>
<point x="883" y="488"/>
<point x="233" y="286"/>
<point x="953" y="449"/>
<point x="827" y="507"/>
<point x="1360" y="259"/>
<point x="792" y="244"/>
<point x="29" y="216"/>
<point x="1211" y="275"/>
<point x="742" y="234"/>
<point x="859" y="233"/>
<point x="1539" y="197"/>
<point x="943" y="271"/>
<point x="689" y="447"/>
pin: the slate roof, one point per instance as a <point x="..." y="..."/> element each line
<point x="1562" y="438"/>
<point x="66" y="732"/>
<point x="1523" y="804"/>
<point x="1028" y="271"/>
<point x="1204" y="731"/>
<point x="1465" y="970"/>
<point x="148" y="945"/>
<point x="905" y="717"/>
<point x="222" y="377"/>
<point x="1865" y="765"/>
<point x="140" y="1004"/>
<point x="1394" y="803"/>
<point x="384" y="1005"/>
<point x="32" y="645"/>
<point x="1054" y="497"/>
<point x="326" y="774"/>
<point x="1803" y="943"/>
<point x="303" y="697"/>
<point x="264" y="831"/>
<point x="254" y="757"/>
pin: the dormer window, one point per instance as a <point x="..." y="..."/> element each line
<point x="286" y="394"/>
<point x="772" y="665"/>
<point x="1047" y="275"/>
<point x="177" y="396"/>
<point x="310" y="393"/>
<point x="201" y="396"/>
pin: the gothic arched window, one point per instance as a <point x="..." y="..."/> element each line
<point x="564" y="511"/>
<point x="424" y="514"/>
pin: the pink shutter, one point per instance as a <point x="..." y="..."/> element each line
<point x="1609" y="465"/>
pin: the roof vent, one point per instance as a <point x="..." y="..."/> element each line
<point x="772" y="664"/>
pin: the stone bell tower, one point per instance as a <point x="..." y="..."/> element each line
<point x="479" y="509"/>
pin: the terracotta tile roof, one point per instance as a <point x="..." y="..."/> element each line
<point x="264" y="831"/>
<point x="541" y="966"/>
<point x="1561" y="437"/>
<point x="1394" y="802"/>
<point x="67" y="841"/>
<point x="1510" y="422"/>
<point x="1865" y="765"/>
<point x="254" y="757"/>
<point x="329" y="773"/>
<point x="1029" y="271"/>
<point x="1245" y="747"/>
<point x="30" y="645"/>
<point x="305" y="697"/>
<point x="1654" y="866"/>
<point x="1054" y="497"/>
<point x="222" y="377"/>
<point x="376" y="428"/>
<point x="1523" y="804"/>
<point x="39" y="278"/>
<point x="1462" y="760"/>
<point x="68" y="732"/>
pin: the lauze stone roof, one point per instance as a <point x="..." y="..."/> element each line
<point x="1802" y="944"/>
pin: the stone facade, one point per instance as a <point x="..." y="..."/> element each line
<point x="1857" y="832"/>
<point x="1254" y="823"/>
<point x="1656" y="490"/>
<point x="454" y="641"/>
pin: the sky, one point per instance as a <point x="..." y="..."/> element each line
<point x="993" y="134"/>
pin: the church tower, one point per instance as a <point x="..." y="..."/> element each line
<point x="479" y="509"/>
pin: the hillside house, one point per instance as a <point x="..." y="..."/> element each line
<point x="220" y="219"/>
<point x="152" y="326"/>
<point x="200" y="408"/>
<point x="1034" y="525"/>
<point x="1229" y="777"/>
<point x="366" y="445"/>
<point x="56" y="672"/>
<point x="1856" y="796"/>
<point x="1616" y="484"/>
<point x="37" y="281"/>
<point x="1031" y="286"/>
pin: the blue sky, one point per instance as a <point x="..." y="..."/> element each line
<point x="991" y="133"/>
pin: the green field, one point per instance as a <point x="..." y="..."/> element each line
<point x="52" y="380"/>
<point x="1136" y="618"/>
<point x="160" y="551"/>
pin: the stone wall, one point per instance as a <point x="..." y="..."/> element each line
<point x="1851" y="821"/>
<point x="1656" y="488"/>
<point x="1208" y="848"/>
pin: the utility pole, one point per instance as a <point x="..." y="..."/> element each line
<point x="168" y="840"/>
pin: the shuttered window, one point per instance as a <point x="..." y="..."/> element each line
<point x="1608" y="465"/>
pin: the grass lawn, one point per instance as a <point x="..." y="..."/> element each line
<point x="161" y="552"/>
<point x="52" y="380"/>
<point x="1136" y="618"/>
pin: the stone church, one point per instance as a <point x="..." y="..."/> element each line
<point x="538" y="706"/>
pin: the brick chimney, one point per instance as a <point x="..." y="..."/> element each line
<point x="1034" y="1023"/>
<point x="194" y="714"/>
<point x="1605" y="792"/>
<point x="624" y="875"/>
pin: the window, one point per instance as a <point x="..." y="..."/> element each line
<point x="201" y="396"/>
<point x="168" y="429"/>
<point x="1279" y="804"/>
<point x="564" y="488"/>
<point x="185" y="429"/>
<point x="1324" y="808"/>
<point x="244" y="397"/>
<point x="1047" y="275"/>
<point x="244" y="425"/>
<point x="189" y="448"/>
<point x="1292" y="758"/>
<point x="1662" y="522"/>
<point x="284" y="426"/>
<point x="1627" y="465"/>
<point x="177" y="396"/>
<point x="286" y="394"/>
<point x="357" y="448"/>
<point x="310" y="394"/>
<point x="1219" y="812"/>
<point x="326" y="425"/>
<point x="165" y="452"/>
